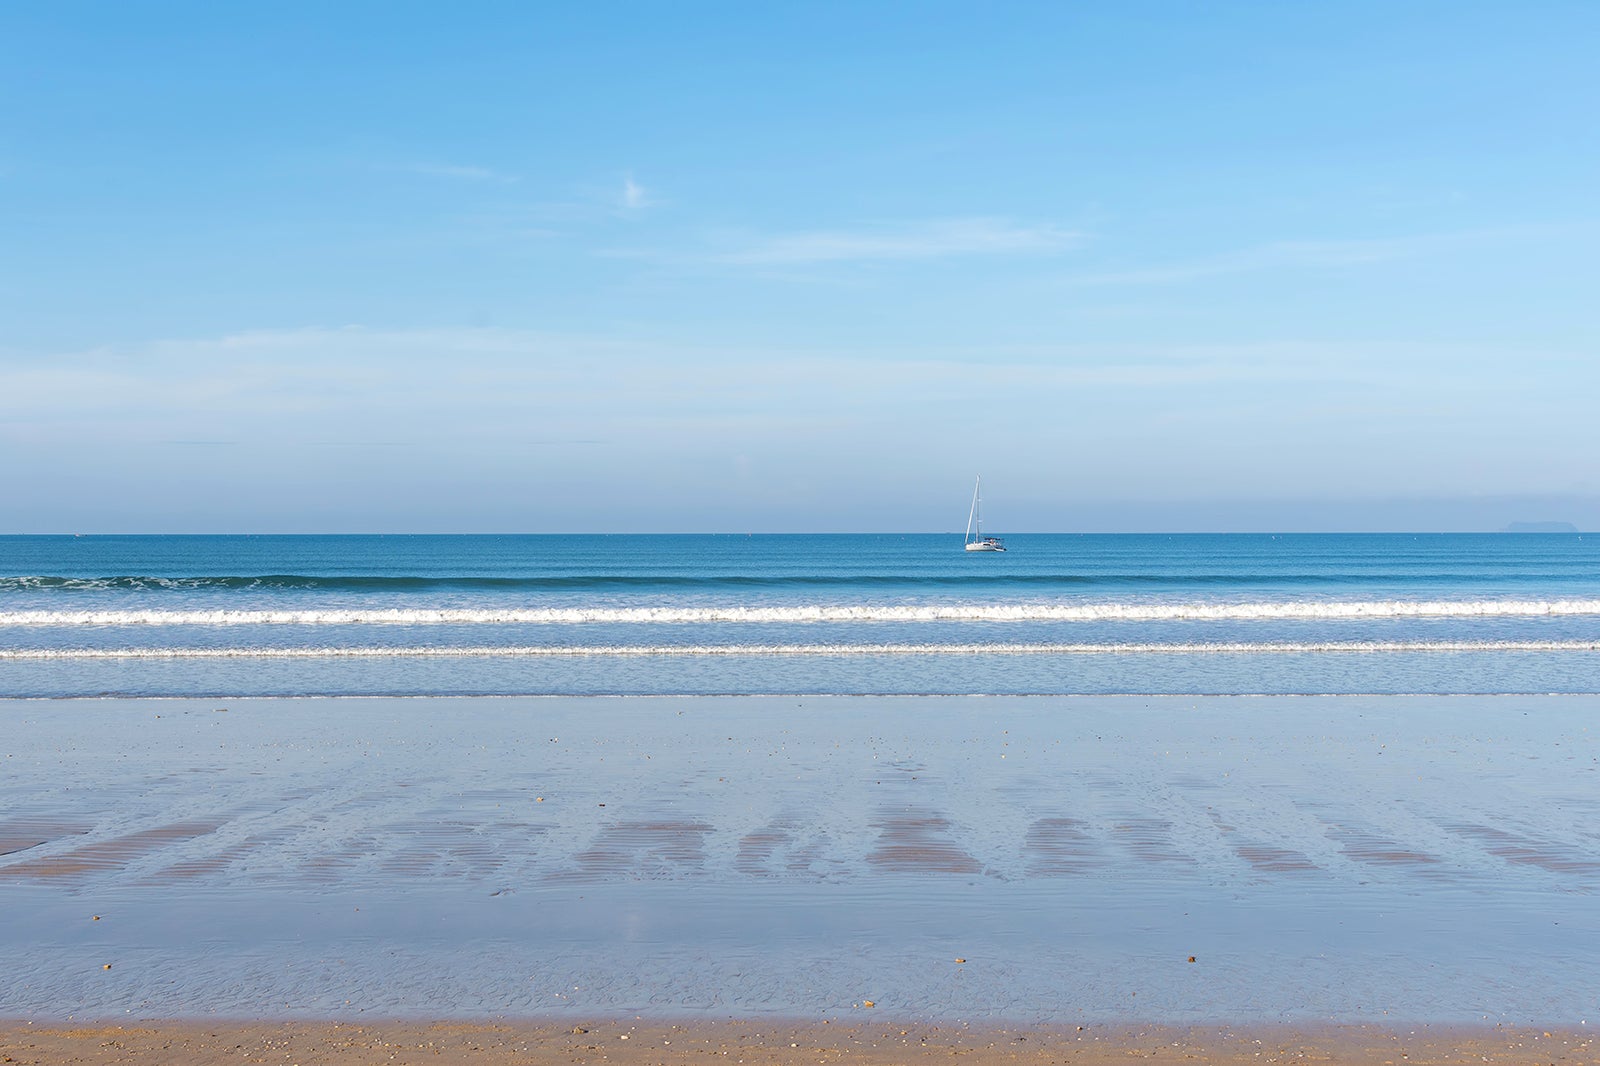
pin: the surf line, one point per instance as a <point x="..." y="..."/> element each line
<point x="997" y="612"/>
<point x="838" y="650"/>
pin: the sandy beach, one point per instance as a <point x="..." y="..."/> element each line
<point x="961" y="863"/>
<point x="780" y="1044"/>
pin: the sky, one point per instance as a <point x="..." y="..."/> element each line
<point x="506" y="267"/>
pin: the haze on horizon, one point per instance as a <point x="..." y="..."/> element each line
<point x="509" y="267"/>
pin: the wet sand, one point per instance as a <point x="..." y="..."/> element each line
<point x="782" y="1044"/>
<point x="966" y="861"/>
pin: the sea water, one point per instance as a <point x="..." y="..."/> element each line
<point x="798" y="614"/>
<point x="947" y="782"/>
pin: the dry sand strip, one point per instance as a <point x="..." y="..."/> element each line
<point x="778" y="1044"/>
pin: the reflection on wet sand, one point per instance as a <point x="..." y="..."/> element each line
<point x="644" y="849"/>
<point x="25" y="834"/>
<point x="84" y="852"/>
<point x="866" y="810"/>
<point x="919" y="842"/>
<point x="1371" y="847"/>
<point x="1059" y="846"/>
<point x="1053" y="827"/>
<point x="111" y="855"/>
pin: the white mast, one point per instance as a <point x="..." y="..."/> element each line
<point x="979" y="543"/>
<point x="975" y="514"/>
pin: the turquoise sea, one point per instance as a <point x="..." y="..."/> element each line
<point x="782" y="614"/>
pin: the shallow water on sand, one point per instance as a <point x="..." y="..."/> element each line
<point x="1034" y="858"/>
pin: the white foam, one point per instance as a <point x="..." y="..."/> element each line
<point x="839" y="650"/>
<point x="987" y="612"/>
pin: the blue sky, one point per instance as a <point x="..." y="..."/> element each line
<point x="504" y="267"/>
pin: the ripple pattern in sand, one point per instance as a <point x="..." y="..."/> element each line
<point x="735" y="791"/>
<point x="645" y="854"/>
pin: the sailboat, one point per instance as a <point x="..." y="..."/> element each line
<point x="976" y="541"/>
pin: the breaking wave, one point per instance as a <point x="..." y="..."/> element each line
<point x="681" y="615"/>
<point x="839" y="650"/>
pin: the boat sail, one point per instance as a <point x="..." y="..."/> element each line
<point x="975" y="540"/>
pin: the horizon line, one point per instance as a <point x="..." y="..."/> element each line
<point x="1566" y="530"/>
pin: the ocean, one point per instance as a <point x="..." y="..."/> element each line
<point x="798" y="614"/>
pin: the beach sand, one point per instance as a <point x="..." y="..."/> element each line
<point x="779" y="1044"/>
<point x="958" y="863"/>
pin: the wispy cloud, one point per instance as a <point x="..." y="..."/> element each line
<point x="634" y="197"/>
<point x="461" y="173"/>
<point x="311" y="381"/>
<point x="371" y="416"/>
<point x="930" y="239"/>
<point x="1290" y="255"/>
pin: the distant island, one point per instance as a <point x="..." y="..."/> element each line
<point x="1540" y="527"/>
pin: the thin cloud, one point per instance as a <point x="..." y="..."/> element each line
<point x="657" y="407"/>
<point x="461" y="173"/>
<point x="634" y="197"/>
<point x="1289" y="255"/>
<point x="933" y="239"/>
